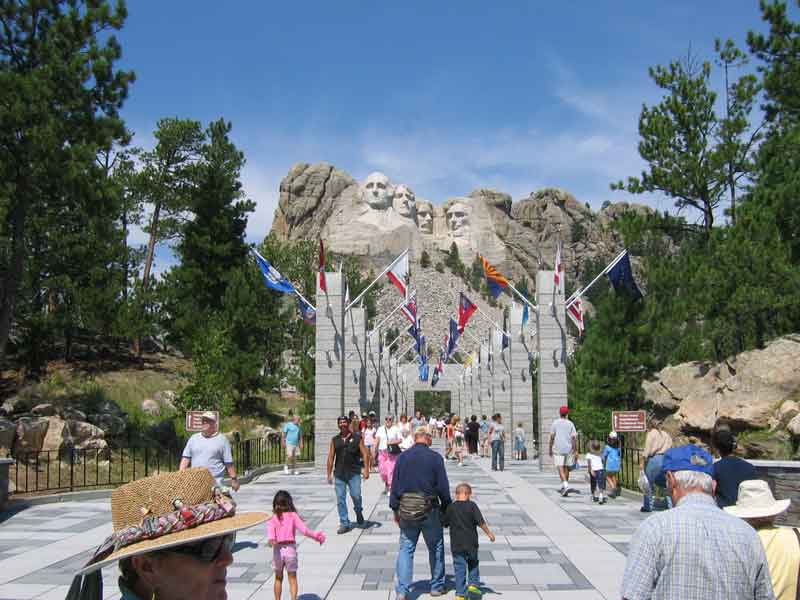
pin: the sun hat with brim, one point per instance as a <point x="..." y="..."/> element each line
<point x="156" y="496"/>
<point x="209" y="415"/>
<point x="755" y="501"/>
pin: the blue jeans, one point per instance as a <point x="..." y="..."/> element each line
<point x="354" y="484"/>
<point x="431" y="529"/>
<point x="465" y="566"/>
<point x="656" y="478"/>
<point x="498" y="455"/>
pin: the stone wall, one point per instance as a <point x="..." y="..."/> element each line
<point x="5" y="465"/>
<point x="784" y="480"/>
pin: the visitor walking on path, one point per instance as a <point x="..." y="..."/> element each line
<point x="346" y="456"/>
<point x="612" y="463"/>
<point x="563" y="446"/>
<point x="597" y="475"/>
<point x="484" y="436"/>
<point x="519" y="442"/>
<point x="729" y="471"/>
<point x="463" y="517"/>
<point x="695" y="551"/>
<point x="420" y="490"/>
<point x="757" y="506"/>
<point x="497" y="435"/>
<point x="369" y="440"/>
<point x="292" y="440"/>
<point x="656" y="443"/>
<point x="459" y="443"/>
<point x="472" y="435"/>
<point x="210" y="449"/>
<point x="388" y="440"/>
<point x="281" y="530"/>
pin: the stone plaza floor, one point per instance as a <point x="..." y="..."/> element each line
<point x="547" y="546"/>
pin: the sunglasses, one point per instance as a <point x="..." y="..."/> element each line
<point x="208" y="550"/>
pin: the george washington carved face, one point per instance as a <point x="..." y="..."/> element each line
<point x="377" y="191"/>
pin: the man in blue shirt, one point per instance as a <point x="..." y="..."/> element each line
<point x="293" y="442"/>
<point x="420" y="471"/>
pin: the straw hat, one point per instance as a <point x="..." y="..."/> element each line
<point x="755" y="501"/>
<point x="155" y="496"/>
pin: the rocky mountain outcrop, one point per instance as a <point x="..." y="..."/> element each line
<point x="755" y="390"/>
<point x="376" y="219"/>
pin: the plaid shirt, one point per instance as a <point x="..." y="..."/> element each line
<point x="696" y="551"/>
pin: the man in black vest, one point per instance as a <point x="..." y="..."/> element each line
<point x="347" y="458"/>
<point x="420" y="489"/>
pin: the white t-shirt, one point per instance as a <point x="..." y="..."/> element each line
<point x="383" y="436"/>
<point x="564" y="431"/>
<point x="594" y="461"/>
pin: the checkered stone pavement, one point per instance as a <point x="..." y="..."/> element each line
<point x="540" y="552"/>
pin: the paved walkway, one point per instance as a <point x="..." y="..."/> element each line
<point x="547" y="547"/>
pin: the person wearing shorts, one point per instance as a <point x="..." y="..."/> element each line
<point x="293" y="442"/>
<point x="563" y="447"/>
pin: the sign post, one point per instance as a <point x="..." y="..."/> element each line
<point x="629" y="420"/>
<point x="194" y="420"/>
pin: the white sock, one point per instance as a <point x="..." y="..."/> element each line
<point x="564" y="484"/>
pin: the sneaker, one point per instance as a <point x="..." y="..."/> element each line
<point x="295" y="472"/>
<point x="438" y="592"/>
<point x="602" y="500"/>
<point x="594" y="498"/>
<point x="643" y="509"/>
<point x="285" y="469"/>
<point x="475" y="591"/>
<point x="360" y="518"/>
<point x="343" y="529"/>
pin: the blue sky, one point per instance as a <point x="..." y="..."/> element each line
<point x="445" y="96"/>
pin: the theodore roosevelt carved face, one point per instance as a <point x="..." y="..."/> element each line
<point x="404" y="201"/>
<point x="425" y="217"/>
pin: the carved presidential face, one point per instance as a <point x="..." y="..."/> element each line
<point x="425" y="217"/>
<point x="458" y="219"/>
<point x="404" y="201"/>
<point x="377" y="191"/>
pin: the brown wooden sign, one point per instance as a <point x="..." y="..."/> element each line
<point x="629" y="420"/>
<point x="194" y="419"/>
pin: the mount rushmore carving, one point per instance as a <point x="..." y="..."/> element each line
<point x="376" y="219"/>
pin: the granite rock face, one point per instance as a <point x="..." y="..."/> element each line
<point x="758" y="389"/>
<point x="377" y="219"/>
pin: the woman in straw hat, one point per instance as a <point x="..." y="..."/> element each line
<point x="173" y="537"/>
<point x="756" y="505"/>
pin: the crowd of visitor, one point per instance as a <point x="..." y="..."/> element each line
<point x="716" y="538"/>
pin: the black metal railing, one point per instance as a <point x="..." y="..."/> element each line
<point x="70" y="470"/>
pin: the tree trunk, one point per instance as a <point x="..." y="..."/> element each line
<point x="732" y="187"/>
<point x="148" y="264"/>
<point x="11" y="282"/>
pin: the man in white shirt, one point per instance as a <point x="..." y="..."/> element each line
<point x="564" y="440"/>
<point x="210" y="449"/>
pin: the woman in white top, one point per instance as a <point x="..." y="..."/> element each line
<point x="388" y="434"/>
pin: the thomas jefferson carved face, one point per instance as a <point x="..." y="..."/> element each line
<point x="458" y="219"/>
<point x="425" y="217"/>
<point x="404" y="201"/>
<point x="377" y="191"/>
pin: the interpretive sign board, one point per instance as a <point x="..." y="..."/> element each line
<point x="194" y="420"/>
<point x="629" y="420"/>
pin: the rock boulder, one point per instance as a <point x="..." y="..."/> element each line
<point x="750" y="391"/>
<point x="43" y="410"/>
<point x="31" y="432"/>
<point x="112" y="425"/>
<point x="58" y="435"/>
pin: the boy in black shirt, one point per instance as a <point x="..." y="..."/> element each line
<point x="463" y="516"/>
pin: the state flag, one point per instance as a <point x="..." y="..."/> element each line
<point x="323" y="285"/>
<point x="398" y="274"/>
<point x="465" y="309"/>
<point x="621" y="277"/>
<point x="575" y="313"/>
<point x="272" y="277"/>
<point x="495" y="281"/>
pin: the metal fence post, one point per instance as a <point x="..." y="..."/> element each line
<point x="71" y="470"/>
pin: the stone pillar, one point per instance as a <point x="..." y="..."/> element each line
<point x="386" y="386"/>
<point x="501" y="363"/>
<point x="552" y="346"/>
<point x="355" y="373"/>
<point x="487" y="384"/>
<point x="329" y="361"/>
<point x="373" y="384"/>
<point x="521" y="348"/>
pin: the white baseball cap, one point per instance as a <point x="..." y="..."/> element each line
<point x="209" y="415"/>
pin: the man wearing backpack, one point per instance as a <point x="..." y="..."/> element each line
<point x="420" y="490"/>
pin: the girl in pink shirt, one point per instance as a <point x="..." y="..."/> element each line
<point x="280" y="532"/>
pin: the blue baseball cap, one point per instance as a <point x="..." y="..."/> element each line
<point x="688" y="458"/>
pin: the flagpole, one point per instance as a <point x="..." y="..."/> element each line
<point x="294" y="288"/>
<point x="394" y="341"/>
<point x="374" y="281"/>
<point x="390" y="315"/>
<point x="582" y="291"/>
<point x="523" y="298"/>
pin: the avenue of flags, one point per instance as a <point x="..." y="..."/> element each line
<point x="618" y="271"/>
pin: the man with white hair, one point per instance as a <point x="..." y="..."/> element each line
<point x="694" y="551"/>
